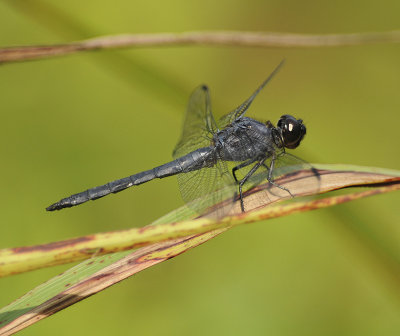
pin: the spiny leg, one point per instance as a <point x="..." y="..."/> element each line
<point x="243" y="181"/>
<point x="240" y="166"/>
<point x="270" y="180"/>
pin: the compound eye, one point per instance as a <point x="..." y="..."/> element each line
<point x="293" y="131"/>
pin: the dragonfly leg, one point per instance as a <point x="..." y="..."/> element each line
<point x="243" y="181"/>
<point x="270" y="180"/>
<point x="242" y="165"/>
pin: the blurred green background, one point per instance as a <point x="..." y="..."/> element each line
<point x="79" y="121"/>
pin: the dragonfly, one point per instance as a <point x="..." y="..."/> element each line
<point x="218" y="160"/>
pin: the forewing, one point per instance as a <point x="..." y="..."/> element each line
<point x="242" y="108"/>
<point x="199" y="125"/>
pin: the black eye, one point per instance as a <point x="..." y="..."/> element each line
<point x="292" y="130"/>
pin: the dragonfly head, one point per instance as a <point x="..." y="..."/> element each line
<point x="292" y="131"/>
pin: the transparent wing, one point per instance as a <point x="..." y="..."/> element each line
<point x="242" y="108"/>
<point x="205" y="187"/>
<point x="199" y="125"/>
<point x="208" y="188"/>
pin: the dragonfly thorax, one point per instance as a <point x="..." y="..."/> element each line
<point x="244" y="139"/>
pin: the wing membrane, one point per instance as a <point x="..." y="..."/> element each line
<point x="199" y="125"/>
<point x="210" y="185"/>
<point x="204" y="188"/>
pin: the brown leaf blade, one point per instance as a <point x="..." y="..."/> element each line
<point x="14" y="318"/>
<point x="99" y="273"/>
<point x="21" y="259"/>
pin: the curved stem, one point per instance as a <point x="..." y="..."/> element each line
<point x="222" y="38"/>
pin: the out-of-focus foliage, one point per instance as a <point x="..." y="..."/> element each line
<point x="79" y="121"/>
